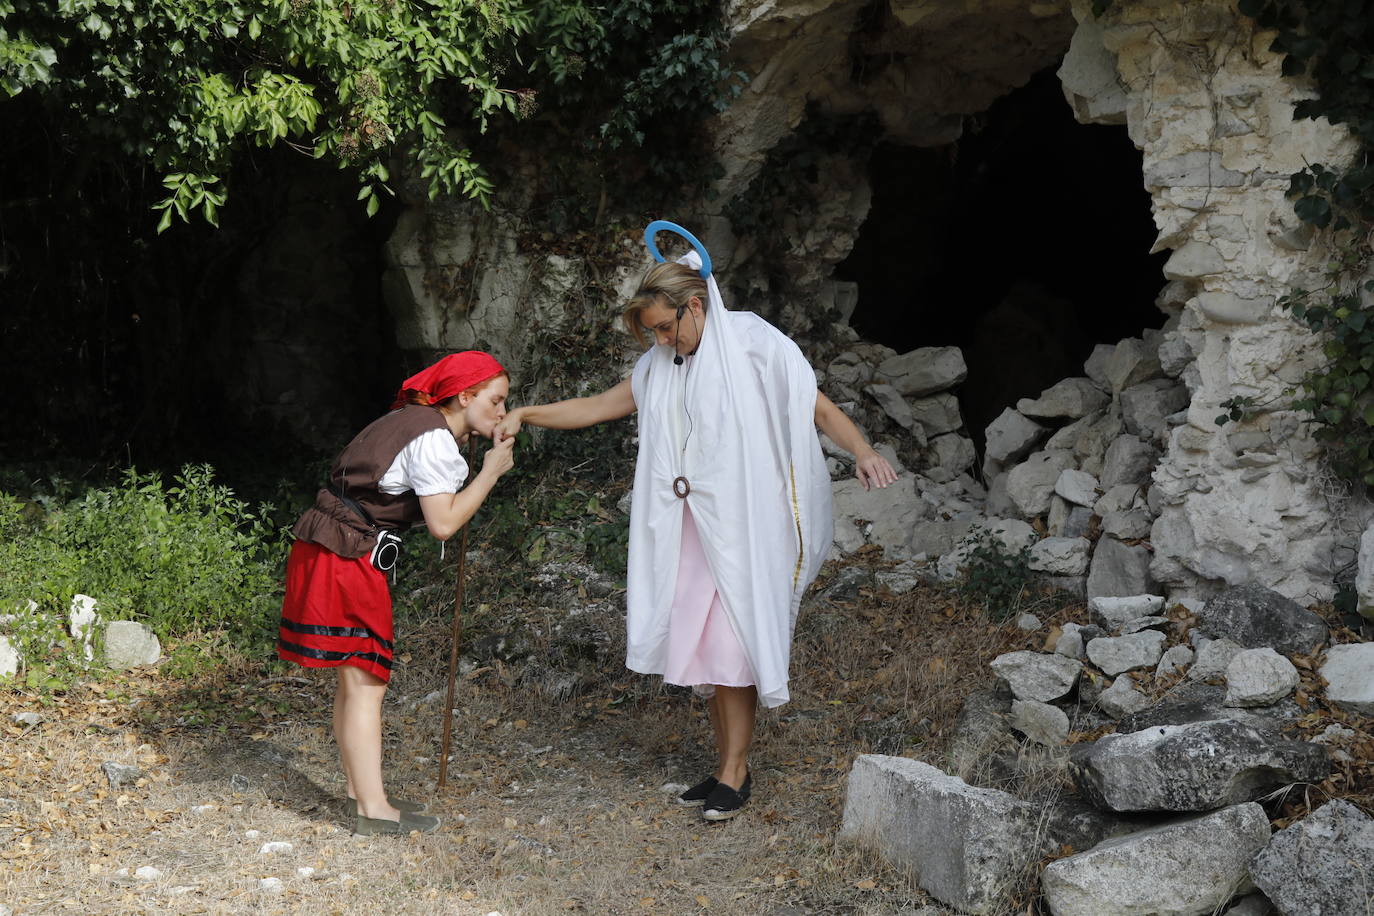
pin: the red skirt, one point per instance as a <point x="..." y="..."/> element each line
<point x="336" y="612"/>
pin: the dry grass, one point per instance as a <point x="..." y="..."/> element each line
<point x="554" y="805"/>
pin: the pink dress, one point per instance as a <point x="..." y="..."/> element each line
<point x="702" y="646"/>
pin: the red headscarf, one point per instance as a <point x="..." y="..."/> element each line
<point x="454" y="373"/>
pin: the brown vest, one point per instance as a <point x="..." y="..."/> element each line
<point x="356" y="472"/>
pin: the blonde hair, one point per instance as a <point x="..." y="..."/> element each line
<point x="667" y="284"/>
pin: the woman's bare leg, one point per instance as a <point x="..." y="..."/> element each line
<point x="733" y="713"/>
<point x="358" y="732"/>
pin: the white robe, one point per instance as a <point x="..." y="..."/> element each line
<point x="760" y="491"/>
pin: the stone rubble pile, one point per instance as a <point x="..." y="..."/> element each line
<point x="1165" y="812"/>
<point x="1076" y="462"/>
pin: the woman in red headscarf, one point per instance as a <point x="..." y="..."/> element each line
<point x="402" y="469"/>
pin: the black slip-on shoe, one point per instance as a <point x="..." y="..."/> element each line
<point x="724" y="802"/>
<point x="698" y="794"/>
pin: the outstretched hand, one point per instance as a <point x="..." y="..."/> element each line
<point x="507" y="428"/>
<point x="873" y="470"/>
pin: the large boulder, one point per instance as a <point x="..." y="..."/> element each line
<point x="963" y="845"/>
<point x="1116" y="654"/>
<point x="1031" y="483"/>
<point x="1320" y="865"/>
<point x="1194" y="767"/>
<point x="1259" y="677"/>
<point x="1071" y="398"/>
<point x="1011" y="437"/>
<point x="1194" y="701"/>
<point x="1185" y="868"/>
<point x="885" y="517"/>
<point x="1255" y="617"/>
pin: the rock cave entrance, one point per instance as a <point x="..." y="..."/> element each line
<point x="1024" y="243"/>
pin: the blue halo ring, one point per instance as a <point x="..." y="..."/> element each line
<point x="662" y="225"/>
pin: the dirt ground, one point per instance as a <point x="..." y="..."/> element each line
<point x="557" y="800"/>
<point x="552" y="805"/>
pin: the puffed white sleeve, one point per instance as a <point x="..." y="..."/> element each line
<point x="430" y="464"/>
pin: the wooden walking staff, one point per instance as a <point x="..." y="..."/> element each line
<point x="457" y="633"/>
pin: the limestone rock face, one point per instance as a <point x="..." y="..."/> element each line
<point x="1321" y="863"/>
<point x="1194" y="767"/>
<point x="1185" y="868"/>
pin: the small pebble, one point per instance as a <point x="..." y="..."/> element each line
<point x="673" y="788"/>
<point x="147" y="873"/>
<point x="1028" y="622"/>
<point x="252" y="834"/>
<point x="181" y="890"/>
<point x="270" y="885"/>
<point x="202" y="809"/>
<point x="274" y="847"/>
<point x="305" y="871"/>
<point x="27" y="718"/>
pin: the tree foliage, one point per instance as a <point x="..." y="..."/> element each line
<point x="185" y="85"/>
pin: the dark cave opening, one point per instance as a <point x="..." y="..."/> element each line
<point x="1025" y="243"/>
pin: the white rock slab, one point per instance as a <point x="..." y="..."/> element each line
<point x="1037" y="675"/>
<point x="1040" y="722"/>
<point x="1186" y="868"/>
<point x="9" y="658"/>
<point x="1259" y="677"/>
<point x="1116" y="654"/>
<point x="1121" y="698"/>
<point x="1078" y="487"/>
<point x="1349" y="673"/>
<point x="1113" y="611"/>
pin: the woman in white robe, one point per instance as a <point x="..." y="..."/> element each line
<point x="730" y="517"/>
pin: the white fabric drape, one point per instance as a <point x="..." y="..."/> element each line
<point x="760" y="491"/>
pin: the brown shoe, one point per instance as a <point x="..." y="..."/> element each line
<point x="409" y="822"/>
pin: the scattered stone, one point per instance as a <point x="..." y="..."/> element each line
<point x="252" y="834"/>
<point x="1072" y="638"/>
<point x="937" y="414"/>
<point x="1121" y="698"/>
<point x="27" y="718"/>
<point x="1185" y="868"/>
<point x="900" y="579"/>
<point x="1070" y="397"/>
<point x="1011" y="437"/>
<point x="892" y="403"/>
<point x="1175" y="658"/>
<point x="203" y="809"/>
<point x="1119" y="570"/>
<point x="1150" y="622"/>
<point x="9" y="658"/>
<point x="1259" y="677"/>
<point x="129" y="644"/>
<point x="81" y="621"/>
<point x="1131" y="362"/>
<point x="1349" y="673"/>
<point x="1320" y="864"/>
<point x="275" y="847"/>
<point x="1031" y="483"/>
<point x="1116" y="654"/>
<point x="1040" y="722"/>
<point x="1120" y="498"/>
<point x="1060" y="556"/>
<point x="673" y="788"/>
<point x="1254" y="617"/>
<point x="1077" y="487"/>
<point x="305" y="871"/>
<point x="147" y="873"/>
<point x="1128" y="460"/>
<point x="1028" y="622"/>
<point x="120" y="774"/>
<point x="271" y="886"/>
<point x="1193" y="767"/>
<point x="924" y="371"/>
<point x="1037" y="675"/>
<point x="1128" y="524"/>
<point x="1213" y="658"/>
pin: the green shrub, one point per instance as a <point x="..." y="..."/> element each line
<point x="187" y="560"/>
<point x="994" y="576"/>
